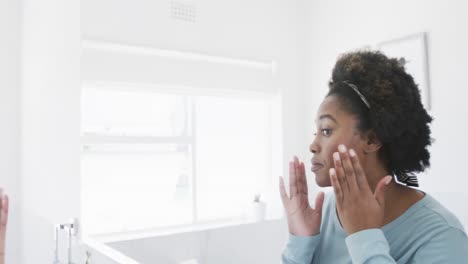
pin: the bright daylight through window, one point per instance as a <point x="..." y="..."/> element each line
<point x="156" y="160"/>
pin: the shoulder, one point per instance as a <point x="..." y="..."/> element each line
<point x="442" y="214"/>
<point x="424" y="220"/>
<point x="448" y="246"/>
<point x="438" y="216"/>
<point x="440" y="235"/>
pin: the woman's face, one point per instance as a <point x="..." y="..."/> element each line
<point x="334" y="127"/>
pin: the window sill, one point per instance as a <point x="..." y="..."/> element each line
<point x="107" y="251"/>
<point x="159" y="232"/>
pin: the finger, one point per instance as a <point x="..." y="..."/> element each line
<point x="292" y="180"/>
<point x="348" y="169"/>
<point x="359" y="171"/>
<point x="301" y="176"/>
<point x="319" y="202"/>
<point x="303" y="182"/>
<point x="2" y="214"/>
<point x="4" y="211"/>
<point x="382" y="186"/>
<point x="336" y="185"/>
<point x="339" y="172"/>
<point x="297" y="168"/>
<point x="283" y="194"/>
<point x="3" y="223"/>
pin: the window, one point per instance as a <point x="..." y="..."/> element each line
<point x="154" y="160"/>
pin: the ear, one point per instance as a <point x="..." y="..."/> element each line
<point x="373" y="143"/>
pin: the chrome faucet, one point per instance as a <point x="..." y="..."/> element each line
<point x="71" y="229"/>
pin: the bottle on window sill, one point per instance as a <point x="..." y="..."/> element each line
<point x="258" y="209"/>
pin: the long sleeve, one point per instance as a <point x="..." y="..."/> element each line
<point x="369" y="247"/>
<point x="300" y="249"/>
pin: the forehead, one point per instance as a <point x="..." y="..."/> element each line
<point x="331" y="105"/>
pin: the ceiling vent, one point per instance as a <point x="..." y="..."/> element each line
<point x="184" y="10"/>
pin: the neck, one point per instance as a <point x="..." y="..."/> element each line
<point x="398" y="197"/>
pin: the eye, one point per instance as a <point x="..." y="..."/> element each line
<point x="326" y="132"/>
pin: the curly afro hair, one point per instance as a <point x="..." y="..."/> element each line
<point x="395" y="113"/>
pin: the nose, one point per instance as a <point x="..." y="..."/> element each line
<point x="314" y="147"/>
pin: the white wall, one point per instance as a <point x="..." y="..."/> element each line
<point x="10" y="18"/>
<point x="334" y="27"/>
<point x="50" y="101"/>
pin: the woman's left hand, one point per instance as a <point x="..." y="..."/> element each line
<point x="358" y="207"/>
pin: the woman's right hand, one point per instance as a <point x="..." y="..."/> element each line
<point x="302" y="219"/>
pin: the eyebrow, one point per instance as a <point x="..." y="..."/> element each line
<point x="329" y="117"/>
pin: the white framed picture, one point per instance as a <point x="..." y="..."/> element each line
<point x="414" y="50"/>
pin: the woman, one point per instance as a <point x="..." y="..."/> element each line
<point x="373" y="134"/>
<point x="3" y="224"/>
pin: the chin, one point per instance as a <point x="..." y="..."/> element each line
<point x="322" y="180"/>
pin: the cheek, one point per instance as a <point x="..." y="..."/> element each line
<point x="332" y="147"/>
<point x="328" y="151"/>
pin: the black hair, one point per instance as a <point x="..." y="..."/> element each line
<point x="395" y="113"/>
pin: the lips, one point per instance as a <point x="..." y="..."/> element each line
<point x="316" y="166"/>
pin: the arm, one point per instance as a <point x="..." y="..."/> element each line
<point x="368" y="247"/>
<point x="300" y="249"/>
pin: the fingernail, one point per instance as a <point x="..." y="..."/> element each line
<point x="332" y="171"/>
<point x="389" y="179"/>
<point x="336" y="156"/>
<point x="342" y="148"/>
<point x="352" y="153"/>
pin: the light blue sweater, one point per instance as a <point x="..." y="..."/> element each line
<point x="425" y="233"/>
